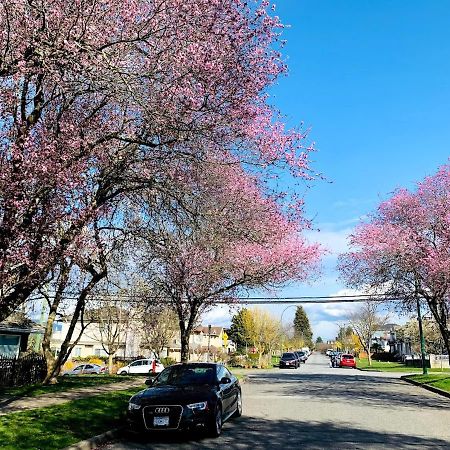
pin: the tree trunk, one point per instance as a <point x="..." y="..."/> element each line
<point x="369" y="356"/>
<point x="185" y="334"/>
<point x="260" y="354"/>
<point x="440" y="314"/>
<point x="66" y="347"/>
<point x="110" y="363"/>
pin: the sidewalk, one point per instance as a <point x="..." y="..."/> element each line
<point x="15" y="404"/>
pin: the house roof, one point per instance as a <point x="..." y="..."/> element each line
<point x="20" y="323"/>
<point x="215" y="331"/>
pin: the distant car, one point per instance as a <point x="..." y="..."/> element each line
<point x="141" y="367"/>
<point x="329" y="352"/>
<point x="302" y="356"/>
<point x="85" y="369"/>
<point x="347" y="361"/>
<point x="289" y="360"/>
<point x="186" y="396"/>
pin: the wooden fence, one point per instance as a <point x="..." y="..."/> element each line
<point x="22" y="370"/>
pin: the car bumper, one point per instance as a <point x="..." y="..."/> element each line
<point x="139" y="422"/>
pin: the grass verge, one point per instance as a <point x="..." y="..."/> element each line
<point x="440" y="381"/>
<point x="385" y="366"/>
<point x="56" y="427"/>
<point x="64" y="384"/>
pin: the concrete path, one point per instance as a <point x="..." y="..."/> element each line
<point x="15" y="404"/>
<point x="316" y="407"/>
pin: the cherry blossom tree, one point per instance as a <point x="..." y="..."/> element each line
<point x="404" y="248"/>
<point x="100" y="99"/>
<point x="232" y="238"/>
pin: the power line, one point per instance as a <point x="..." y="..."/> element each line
<point x="251" y="300"/>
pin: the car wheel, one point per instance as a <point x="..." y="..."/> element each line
<point x="122" y="373"/>
<point x="215" y="428"/>
<point x="238" y="412"/>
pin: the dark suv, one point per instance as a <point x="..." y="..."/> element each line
<point x="289" y="361"/>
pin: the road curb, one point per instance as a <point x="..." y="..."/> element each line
<point x="426" y="386"/>
<point x="94" y="442"/>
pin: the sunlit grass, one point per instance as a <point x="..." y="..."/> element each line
<point x="385" y="366"/>
<point x="440" y="381"/>
<point x="56" y="427"/>
<point x="64" y="384"/>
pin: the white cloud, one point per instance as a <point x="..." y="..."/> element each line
<point x="335" y="242"/>
<point x="219" y="315"/>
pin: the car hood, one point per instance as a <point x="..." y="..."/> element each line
<point x="175" y="394"/>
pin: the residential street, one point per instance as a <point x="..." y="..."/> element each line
<point x="317" y="407"/>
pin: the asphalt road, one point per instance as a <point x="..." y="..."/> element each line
<point x="316" y="407"/>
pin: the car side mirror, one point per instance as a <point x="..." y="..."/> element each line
<point x="225" y="380"/>
<point x="149" y="381"/>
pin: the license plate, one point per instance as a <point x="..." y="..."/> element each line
<point x="161" y="421"/>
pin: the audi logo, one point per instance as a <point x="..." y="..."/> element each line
<point x="162" y="410"/>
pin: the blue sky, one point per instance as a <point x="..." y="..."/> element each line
<point x="371" y="80"/>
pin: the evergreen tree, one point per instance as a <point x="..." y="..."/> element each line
<point x="302" y="327"/>
<point x="319" y="340"/>
<point x="237" y="331"/>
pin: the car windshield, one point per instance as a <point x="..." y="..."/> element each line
<point x="288" y="356"/>
<point x="185" y="375"/>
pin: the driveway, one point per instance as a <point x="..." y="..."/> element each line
<point x="316" y="407"/>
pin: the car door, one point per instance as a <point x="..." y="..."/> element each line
<point x="78" y="370"/>
<point x="145" y="367"/>
<point x="89" y="368"/>
<point x="135" y="367"/>
<point x="226" y="390"/>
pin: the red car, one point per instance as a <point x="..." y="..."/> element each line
<point x="347" y="361"/>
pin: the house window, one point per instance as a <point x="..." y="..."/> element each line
<point x="100" y="352"/>
<point x="77" y="351"/>
<point x="9" y="345"/>
<point x="57" y="326"/>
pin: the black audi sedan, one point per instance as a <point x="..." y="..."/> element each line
<point x="186" y="396"/>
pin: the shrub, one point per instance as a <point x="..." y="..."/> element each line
<point x="167" y="361"/>
<point x="237" y="360"/>
<point x="96" y="360"/>
<point x="385" y="356"/>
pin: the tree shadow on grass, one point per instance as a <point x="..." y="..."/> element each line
<point x="257" y="433"/>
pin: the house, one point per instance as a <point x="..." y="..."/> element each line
<point x="204" y="341"/>
<point x="97" y="338"/>
<point x="14" y="334"/>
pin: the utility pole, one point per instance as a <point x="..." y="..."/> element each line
<point x="422" y="339"/>
<point x="209" y="339"/>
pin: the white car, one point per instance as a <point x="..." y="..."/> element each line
<point x="85" y="369"/>
<point x="141" y="367"/>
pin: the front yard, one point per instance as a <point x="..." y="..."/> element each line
<point x="56" y="427"/>
<point x="437" y="380"/>
<point x="64" y="384"/>
<point x="385" y="366"/>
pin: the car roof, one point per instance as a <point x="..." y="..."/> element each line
<point x="199" y="364"/>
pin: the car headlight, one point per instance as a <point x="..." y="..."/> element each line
<point x="132" y="406"/>
<point x="197" y="406"/>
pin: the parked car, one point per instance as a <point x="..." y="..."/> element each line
<point x="347" y="360"/>
<point x="329" y="352"/>
<point x="289" y="360"/>
<point x="186" y="396"/>
<point x="85" y="369"/>
<point x="141" y="367"/>
<point x="302" y="356"/>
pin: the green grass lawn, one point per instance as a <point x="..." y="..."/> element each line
<point x="56" y="427"/>
<point x="438" y="380"/>
<point x="64" y="384"/>
<point x="390" y="366"/>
